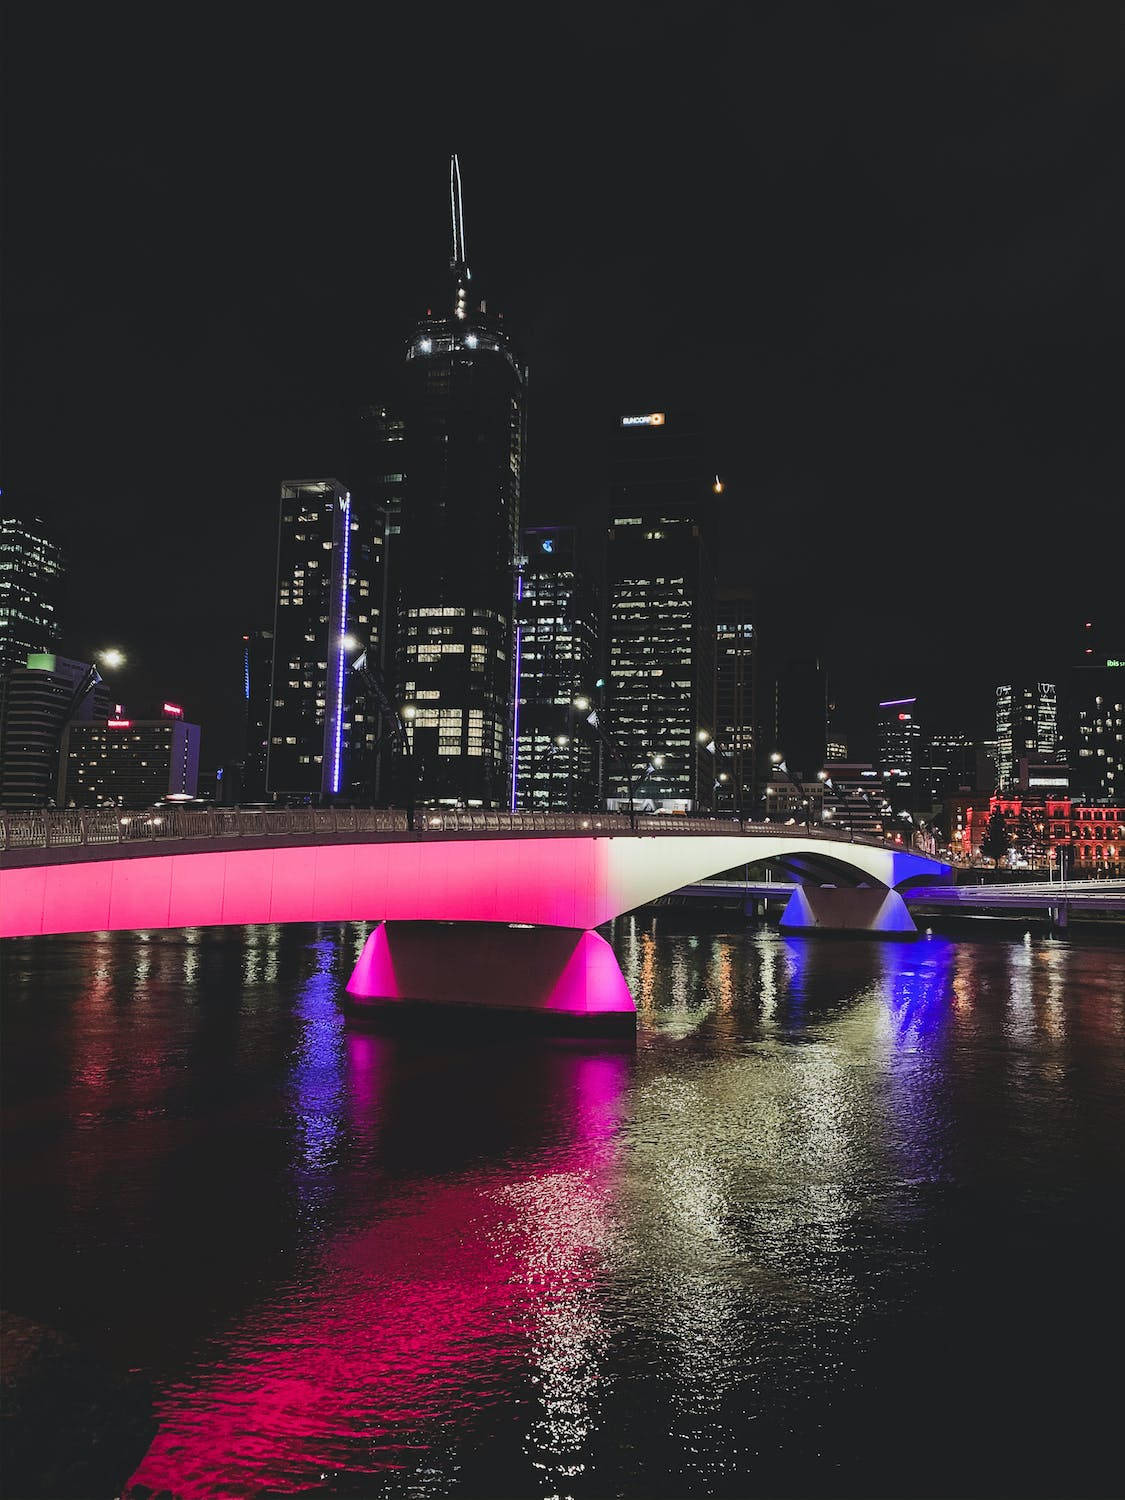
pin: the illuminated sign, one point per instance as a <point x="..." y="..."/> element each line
<point x="1112" y="661"/>
<point x="548" y="545"/>
<point x="174" y="709"/>
<point x="650" y="419"/>
<point x="903" y="717"/>
<point x="119" y="723"/>
<point x="1048" y="781"/>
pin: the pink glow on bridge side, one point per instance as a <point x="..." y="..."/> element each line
<point x="562" y="882"/>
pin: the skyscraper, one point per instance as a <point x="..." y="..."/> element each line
<point x="660" y="585"/>
<point x="329" y="557"/>
<point x="556" y="660"/>
<point x="1095" y="705"/>
<point x="31" y="576"/>
<point x="257" y="679"/>
<point x="454" y="576"/>
<point x="899" y="737"/>
<point x="1026" y="724"/>
<point x="735" y="696"/>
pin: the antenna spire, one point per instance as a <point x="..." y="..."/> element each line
<point x="457" y="212"/>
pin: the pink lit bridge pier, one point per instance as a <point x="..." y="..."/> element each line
<point x="492" y="910"/>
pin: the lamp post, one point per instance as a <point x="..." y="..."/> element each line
<point x="594" y="720"/>
<point x="705" y="738"/>
<point x="111" y="659"/>
<point x="778" y="759"/>
<point x="391" y="719"/>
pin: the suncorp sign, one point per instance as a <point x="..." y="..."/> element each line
<point x="650" y="419"/>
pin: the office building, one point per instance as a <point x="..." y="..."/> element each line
<point x="736" y="699"/>
<point x="660" y="586"/>
<point x="1095" y="740"/>
<point x="801" y="716"/>
<point x="557" y="660"/>
<point x="947" y="764"/>
<point x="454" y="575"/>
<point x="329" y="560"/>
<point x="1026" y="724"/>
<point x="899" y="740"/>
<point x="257" y="681"/>
<point x="37" y="701"/>
<point x="125" y="762"/>
<point x="31" y="578"/>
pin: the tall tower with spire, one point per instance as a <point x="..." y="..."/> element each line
<point x="465" y="391"/>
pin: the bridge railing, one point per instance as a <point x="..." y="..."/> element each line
<point x="50" y="828"/>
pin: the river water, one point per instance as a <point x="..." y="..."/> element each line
<point x="848" y="1219"/>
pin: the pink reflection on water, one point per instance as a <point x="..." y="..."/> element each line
<point x="407" y="1326"/>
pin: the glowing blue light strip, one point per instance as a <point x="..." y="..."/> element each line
<point x="516" y="704"/>
<point x="338" y="726"/>
<point x="246" y="669"/>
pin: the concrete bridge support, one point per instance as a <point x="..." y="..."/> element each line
<point x="826" y="908"/>
<point x="559" y="979"/>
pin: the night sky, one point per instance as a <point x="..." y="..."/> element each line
<point x="880" y="246"/>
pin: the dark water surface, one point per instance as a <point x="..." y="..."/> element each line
<point x="848" y="1220"/>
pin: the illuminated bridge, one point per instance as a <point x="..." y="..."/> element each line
<point x="492" y="909"/>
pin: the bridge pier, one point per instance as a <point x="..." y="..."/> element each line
<point x="559" y="979"/>
<point x="826" y="908"/>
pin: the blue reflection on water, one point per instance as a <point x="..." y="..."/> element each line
<point x="318" y="1077"/>
<point x="917" y="985"/>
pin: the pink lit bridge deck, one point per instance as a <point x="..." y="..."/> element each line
<point x="518" y="895"/>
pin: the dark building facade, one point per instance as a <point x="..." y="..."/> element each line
<point x="31" y="579"/>
<point x="453" y="575"/>
<point x="1095" y="720"/>
<point x="660" y="605"/>
<point x="329" y="586"/>
<point x="736" y="696"/>
<point x="37" y="702"/>
<point x="257" y="684"/>
<point x="557" y="613"/>
<point x="801" y="716"/>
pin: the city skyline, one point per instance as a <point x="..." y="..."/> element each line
<point x="901" y="377"/>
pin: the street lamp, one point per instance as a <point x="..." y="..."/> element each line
<point x="582" y="704"/>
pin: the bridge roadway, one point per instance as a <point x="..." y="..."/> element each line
<point x="470" y="906"/>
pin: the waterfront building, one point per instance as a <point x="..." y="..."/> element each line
<point x="31" y="579"/>
<point x="1044" y="830"/>
<point x="1026" y="724"/>
<point x="660" y="587"/>
<point x="557" y="659"/>
<point x="125" y="762"/>
<point x="736" y="697"/>
<point x="37" y="701"/>
<point x="899" y="739"/>
<point x="329" y="560"/>
<point x="257" y="679"/>
<point x="454" y="575"/>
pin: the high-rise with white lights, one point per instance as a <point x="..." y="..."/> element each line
<point x="31" y="576"/>
<point x="1026" y="724"/>
<point x="556" y="661"/>
<point x="454" y="576"/>
<point x="660" y="585"/>
<point x="329" y="560"/>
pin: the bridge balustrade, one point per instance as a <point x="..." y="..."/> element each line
<point x="46" y="828"/>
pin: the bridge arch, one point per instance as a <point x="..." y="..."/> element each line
<point x="572" y="881"/>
